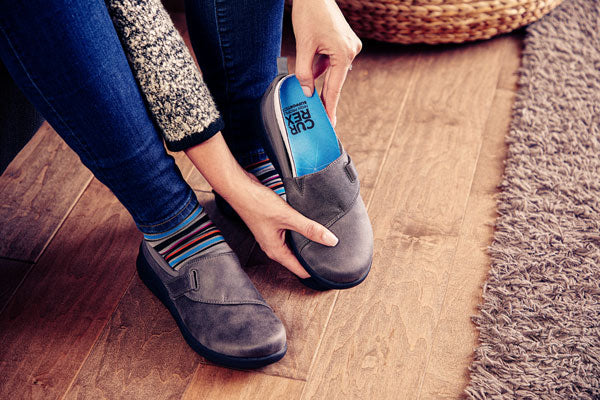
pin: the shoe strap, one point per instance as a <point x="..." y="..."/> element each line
<point x="214" y="279"/>
<point x="183" y="284"/>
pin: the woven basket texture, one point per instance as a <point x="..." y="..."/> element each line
<point x="440" y="21"/>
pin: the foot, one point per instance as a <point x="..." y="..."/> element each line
<point x="265" y="173"/>
<point x="220" y="313"/>
<point x="195" y="236"/>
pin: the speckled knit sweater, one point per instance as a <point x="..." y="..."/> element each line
<point x="177" y="97"/>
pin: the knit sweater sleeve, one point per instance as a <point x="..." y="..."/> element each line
<point x="175" y="93"/>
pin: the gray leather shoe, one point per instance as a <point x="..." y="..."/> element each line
<point x="217" y="308"/>
<point x="330" y="196"/>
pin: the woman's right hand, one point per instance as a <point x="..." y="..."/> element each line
<point x="263" y="211"/>
<point x="268" y="217"/>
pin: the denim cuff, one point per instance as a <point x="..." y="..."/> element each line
<point x="173" y="220"/>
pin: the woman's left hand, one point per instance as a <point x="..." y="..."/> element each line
<point x="321" y="29"/>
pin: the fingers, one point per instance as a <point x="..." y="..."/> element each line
<point x="305" y="55"/>
<point x="311" y="230"/>
<point x="286" y="258"/>
<point x="332" y="89"/>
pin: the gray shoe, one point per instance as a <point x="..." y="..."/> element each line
<point x="217" y="308"/>
<point x="329" y="196"/>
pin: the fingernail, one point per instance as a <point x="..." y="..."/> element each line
<point x="330" y="239"/>
<point x="306" y="91"/>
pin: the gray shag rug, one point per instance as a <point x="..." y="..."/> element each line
<point x="539" y="324"/>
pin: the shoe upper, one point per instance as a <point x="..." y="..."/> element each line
<point x="332" y="198"/>
<point x="219" y="305"/>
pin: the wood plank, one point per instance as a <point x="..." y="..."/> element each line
<point x="215" y="383"/>
<point x="13" y="273"/>
<point x="378" y="75"/>
<point x="140" y="355"/>
<point x="433" y="156"/>
<point x="55" y="317"/>
<point x="456" y="337"/>
<point x="380" y="334"/>
<point x="303" y="311"/>
<point x="34" y="199"/>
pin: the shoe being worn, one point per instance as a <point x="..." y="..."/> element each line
<point x="320" y="182"/>
<point x="217" y="308"/>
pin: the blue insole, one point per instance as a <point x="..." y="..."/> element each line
<point x="311" y="137"/>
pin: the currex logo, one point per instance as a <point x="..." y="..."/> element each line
<point x="298" y="118"/>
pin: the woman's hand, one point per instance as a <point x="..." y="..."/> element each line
<point x="268" y="217"/>
<point x="263" y="211"/>
<point x="321" y="29"/>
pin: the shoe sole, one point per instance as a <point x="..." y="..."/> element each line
<point x="158" y="289"/>
<point x="272" y="134"/>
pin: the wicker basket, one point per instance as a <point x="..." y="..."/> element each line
<point x="440" y="21"/>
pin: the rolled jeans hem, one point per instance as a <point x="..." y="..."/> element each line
<point x="172" y="220"/>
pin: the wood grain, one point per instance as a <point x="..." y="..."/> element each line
<point x="55" y="317"/>
<point x="140" y="355"/>
<point x="37" y="191"/>
<point x="212" y="382"/>
<point x="455" y="337"/>
<point x="381" y="332"/>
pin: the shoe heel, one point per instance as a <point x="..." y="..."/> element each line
<point x="148" y="279"/>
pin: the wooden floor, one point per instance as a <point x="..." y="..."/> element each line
<point x="425" y="127"/>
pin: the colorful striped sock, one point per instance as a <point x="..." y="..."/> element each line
<point x="267" y="175"/>
<point x="196" y="235"/>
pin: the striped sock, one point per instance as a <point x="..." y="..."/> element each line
<point x="195" y="236"/>
<point x="267" y="175"/>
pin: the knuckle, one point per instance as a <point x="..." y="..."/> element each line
<point x="358" y="46"/>
<point x="268" y="251"/>
<point x="349" y="56"/>
<point x="310" y="230"/>
<point x="352" y="48"/>
<point x="303" y="76"/>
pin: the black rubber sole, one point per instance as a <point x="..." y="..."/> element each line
<point x="158" y="289"/>
<point x="317" y="282"/>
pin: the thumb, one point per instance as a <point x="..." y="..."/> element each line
<point x="304" y="71"/>
<point x="312" y="230"/>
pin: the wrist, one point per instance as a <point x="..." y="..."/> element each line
<point x="218" y="166"/>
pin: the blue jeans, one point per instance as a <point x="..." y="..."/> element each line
<point x="237" y="44"/>
<point x="66" y="57"/>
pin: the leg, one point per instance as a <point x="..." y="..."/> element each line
<point x="67" y="58"/>
<point x="237" y="45"/>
